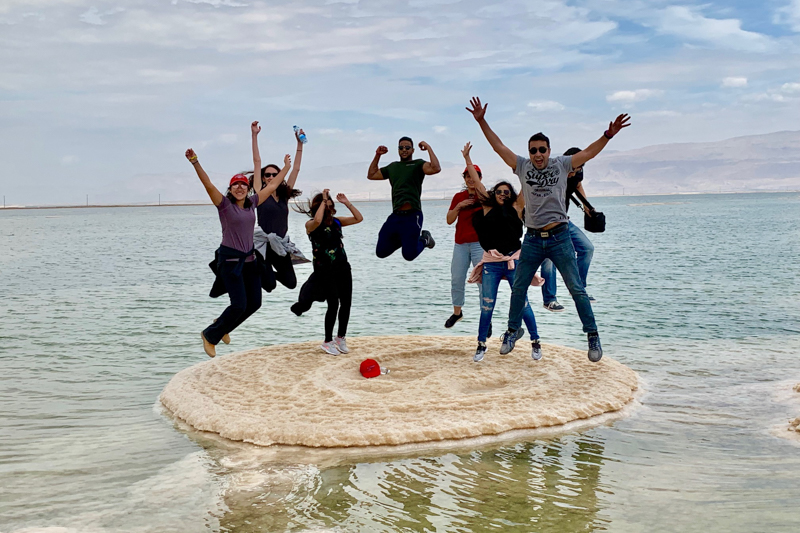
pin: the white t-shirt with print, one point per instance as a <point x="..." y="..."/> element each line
<point x="544" y="190"/>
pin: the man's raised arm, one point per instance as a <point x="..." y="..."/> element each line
<point x="374" y="173"/>
<point x="579" y="159"/>
<point x="479" y="113"/>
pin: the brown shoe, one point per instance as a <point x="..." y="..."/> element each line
<point x="210" y="349"/>
<point x="225" y="338"/>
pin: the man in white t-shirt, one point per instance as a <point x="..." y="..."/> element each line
<point x="544" y="182"/>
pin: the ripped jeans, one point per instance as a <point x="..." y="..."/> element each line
<point x="493" y="273"/>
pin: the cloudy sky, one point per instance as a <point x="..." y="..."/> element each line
<point x="103" y="97"/>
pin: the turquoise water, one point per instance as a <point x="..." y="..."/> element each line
<point x="699" y="294"/>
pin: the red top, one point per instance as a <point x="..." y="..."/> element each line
<point x="464" y="231"/>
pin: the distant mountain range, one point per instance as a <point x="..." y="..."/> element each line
<point x="769" y="162"/>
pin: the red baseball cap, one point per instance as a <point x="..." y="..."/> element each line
<point x="239" y="178"/>
<point x="370" y="368"/>
<point x="477" y="169"/>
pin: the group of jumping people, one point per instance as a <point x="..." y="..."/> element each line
<point x="489" y="235"/>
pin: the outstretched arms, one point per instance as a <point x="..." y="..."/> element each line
<point x="452" y="215"/>
<point x="433" y="167"/>
<point x="258" y="180"/>
<point x="213" y="192"/>
<point x="579" y="159"/>
<point x="374" y="173"/>
<point x="479" y="113"/>
<point x="314" y="223"/>
<point x="357" y="216"/>
<point x="273" y="185"/>
<point x="298" y="156"/>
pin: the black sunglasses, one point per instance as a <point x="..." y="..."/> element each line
<point x="405" y="147"/>
<point x="502" y="193"/>
<point x="542" y="150"/>
<point x="270" y="174"/>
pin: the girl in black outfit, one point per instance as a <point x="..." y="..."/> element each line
<point x="499" y="229"/>
<point x="332" y="279"/>
<point x="273" y="213"/>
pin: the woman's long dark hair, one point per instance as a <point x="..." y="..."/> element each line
<point x="492" y="200"/>
<point x="311" y="206"/>
<point x="283" y="190"/>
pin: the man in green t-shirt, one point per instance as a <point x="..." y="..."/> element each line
<point x="403" y="228"/>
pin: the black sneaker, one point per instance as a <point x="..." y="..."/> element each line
<point x="595" y="350"/>
<point x="554" y="306"/>
<point x="591" y="298"/>
<point x="536" y="350"/>
<point x="509" y="338"/>
<point x="428" y="238"/>
<point x="453" y="319"/>
<point x="480" y="352"/>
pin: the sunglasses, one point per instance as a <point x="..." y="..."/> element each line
<point x="240" y="184"/>
<point x="270" y="174"/>
<point x="541" y="149"/>
<point x="407" y="147"/>
<point x="502" y="193"/>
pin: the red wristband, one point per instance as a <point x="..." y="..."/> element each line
<point x="608" y="135"/>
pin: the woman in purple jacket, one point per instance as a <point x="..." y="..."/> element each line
<point x="236" y="259"/>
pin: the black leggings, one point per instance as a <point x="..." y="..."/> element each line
<point x="245" y="293"/>
<point x="282" y="266"/>
<point x="334" y="286"/>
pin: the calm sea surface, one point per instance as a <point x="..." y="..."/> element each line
<point x="699" y="294"/>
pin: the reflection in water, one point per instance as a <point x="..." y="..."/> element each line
<point x="541" y="486"/>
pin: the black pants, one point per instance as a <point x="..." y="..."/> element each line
<point x="334" y="286"/>
<point x="245" y="293"/>
<point x="282" y="267"/>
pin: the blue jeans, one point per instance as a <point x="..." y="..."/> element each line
<point x="585" y="250"/>
<point x="401" y="230"/>
<point x="559" y="249"/>
<point x="463" y="255"/>
<point x="493" y="273"/>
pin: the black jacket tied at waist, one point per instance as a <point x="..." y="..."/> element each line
<point x="223" y="253"/>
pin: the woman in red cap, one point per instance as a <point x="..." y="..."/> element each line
<point x="467" y="248"/>
<point x="236" y="265"/>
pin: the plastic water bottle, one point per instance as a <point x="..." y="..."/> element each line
<point x="301" y="136"/>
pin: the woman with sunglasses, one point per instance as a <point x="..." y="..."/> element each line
<point x="499" y="229"/>
<point x="332" y="279"/>
<point x="236" y="263"/>
<point x="273" y="214"/>
<point x="467" y="249"/>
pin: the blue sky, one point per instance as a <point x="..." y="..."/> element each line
<point x="102" y="97"/>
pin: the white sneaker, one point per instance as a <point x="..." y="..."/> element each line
<point x="330" y="347"/>
<point x="341" y="344"/>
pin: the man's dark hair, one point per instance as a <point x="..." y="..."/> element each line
<point x="406" y="139"/>
<point x="539" y="137"/>
<point x="572" y="151"/>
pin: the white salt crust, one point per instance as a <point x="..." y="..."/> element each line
<point x="294" y="394"/>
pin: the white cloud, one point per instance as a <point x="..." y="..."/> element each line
<point x="546" y="105"/>
<point x="228" y="138"/>
<point x="689" y="23"/>
<point x="633" y="96"/>
<point x="69" y="160"/>
<point x="791" y="87"/>
<point x="440" y="129"/>
<point x="789" y="15"/>
<point x="734" y="81"/>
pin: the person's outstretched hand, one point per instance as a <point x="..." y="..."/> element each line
<point x="622" y="121"/>
<point x="477" y="111"/>
<point x="466" y="149"/>
<point x="382" y="150"/>
<point x="341" y="198"/>
<point x="424" y="146"/>
<point x="255" y="129"/>
<point x="190" y="155"/>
